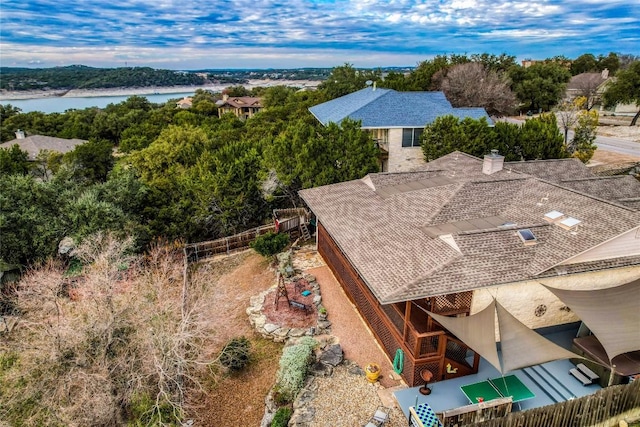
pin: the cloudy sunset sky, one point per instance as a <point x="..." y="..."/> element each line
<point x="190" y="34"/>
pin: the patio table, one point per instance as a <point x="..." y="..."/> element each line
<point x="496" y="388"/>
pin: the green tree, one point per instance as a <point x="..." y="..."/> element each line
<point x="394" y="80"/>
<point x="30" y="223"/>
<point x="583" y="142"/>
<point x="277" y="96"/>
<point x="499" y="64"/>
<point x="537" y="138"/>
<point x="584" y="64"/>
<point x="610" y="62"/>
<point x="443" y="136"/>
<point x="540" y="86"/>
<point x="420" y="77"/>
<point x="13" y="161"/>
<point x="540" y="139"/>
<point x="236" y="194"/>
<point x="307" y="155"/>
<point x="625" y="89"/>
<point x="91" y="161"/>
<point x="346" y="79"/>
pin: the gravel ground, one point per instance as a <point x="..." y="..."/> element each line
<point x="348" y="400"/>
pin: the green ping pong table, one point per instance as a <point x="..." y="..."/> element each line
<point x="497" y="387"/>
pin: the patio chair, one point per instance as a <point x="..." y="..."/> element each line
<point x="380" y="418"/>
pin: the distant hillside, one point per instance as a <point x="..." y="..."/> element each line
<point x="82" y="77"/>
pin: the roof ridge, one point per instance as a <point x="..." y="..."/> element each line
<point x="542" y="160"/>
<point x="591" y="196"/>
<point x="590" y="178"/>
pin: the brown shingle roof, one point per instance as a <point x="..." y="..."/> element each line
<point x="554" y="170"/>
<point x="613" y="188"/>
<point x="241" y="101"/>
<point x="35" y="143"/>
<point x="391" y="237"/>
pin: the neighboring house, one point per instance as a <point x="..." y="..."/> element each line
<point x="394" y="119"/>
<point x="592" y="86"/>
<point x="588" y="85"/>
<point x="242" y="106"/>
<point x="35" y="143"/>
<point x="185" y="103"/>
<point x="461" y="231"/>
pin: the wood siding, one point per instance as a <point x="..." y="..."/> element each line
<point x="422" y="350"/>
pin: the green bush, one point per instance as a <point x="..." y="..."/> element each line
<point x="282" y="416"/>
<point x="294" y="365"/>
<point x="270" y="243"/>
<point x="145" y="411"/>
<point x="235" y="354"/>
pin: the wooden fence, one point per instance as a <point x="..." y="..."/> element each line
<point x="225" y="245"/>
<point x="288" y="221"/>
<point x="610" y="403"/>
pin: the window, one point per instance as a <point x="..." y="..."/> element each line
<point x="411" y="137"/>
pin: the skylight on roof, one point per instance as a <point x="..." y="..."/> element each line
<point x="527" y="236"/>
<point x="569" y="223"/>
<point x="553" y="216"/>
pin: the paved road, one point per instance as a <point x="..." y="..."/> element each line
<point x="605" y="143"/>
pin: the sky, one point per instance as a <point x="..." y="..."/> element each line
<point x="214" y="34"/>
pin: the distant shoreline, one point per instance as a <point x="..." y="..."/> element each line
<point x="148" y="90"/>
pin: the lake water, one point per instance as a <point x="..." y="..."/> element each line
<point x="62" y="104"/>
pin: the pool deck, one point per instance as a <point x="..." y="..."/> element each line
<point x="550" y="382"/>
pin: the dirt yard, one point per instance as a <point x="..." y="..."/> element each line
<point x="238" y="400"/>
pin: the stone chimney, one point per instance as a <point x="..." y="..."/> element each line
<point x="492" y="163"/>
<point x="605" y="74"/>
<point x="225" y="97"/>
<point x="19" y="134"/>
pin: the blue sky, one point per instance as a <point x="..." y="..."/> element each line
<point x="186" y="34"/>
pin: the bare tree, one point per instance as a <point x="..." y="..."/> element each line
<point x="586" y="86"/>
<point x="472" y="85"/>
<point x="567" y="114"/>
<point x="124" y="338"/>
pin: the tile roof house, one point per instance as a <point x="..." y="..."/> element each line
<point x="242" y="106"/>
<point x="33" y="144"/>
<point x="395" y="119"/>
<point x="451" y="236"/>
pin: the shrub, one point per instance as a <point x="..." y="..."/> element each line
<point x="294" y="365"/>
<point x="145" y="411"/>
<point x="281" y="418"/>
<point x="235" y="354"/>
<point x="270" y="243"/>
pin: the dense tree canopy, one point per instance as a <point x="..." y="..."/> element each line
<point x="346" y="79"/>
<point x="157" y="171"/>
<point x="536" y="139"/>
<point x="625" y="89"/>
<point x="540" y="86"/>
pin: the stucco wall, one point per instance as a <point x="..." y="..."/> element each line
<point x="402" y="159"/>
<point x="521" y="299"/>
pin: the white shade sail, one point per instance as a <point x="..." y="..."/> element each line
<point x="522" y="347"/>
<point x="476" y="331"/>
<point x="612" y="314"/>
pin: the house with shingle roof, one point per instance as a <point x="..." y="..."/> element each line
<point x="394" y="119"/>
<point x="592" y="86"/>
<point x="450" y="237"/>
<point x="34" y="144"/>
<point x="242" y="106"/>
